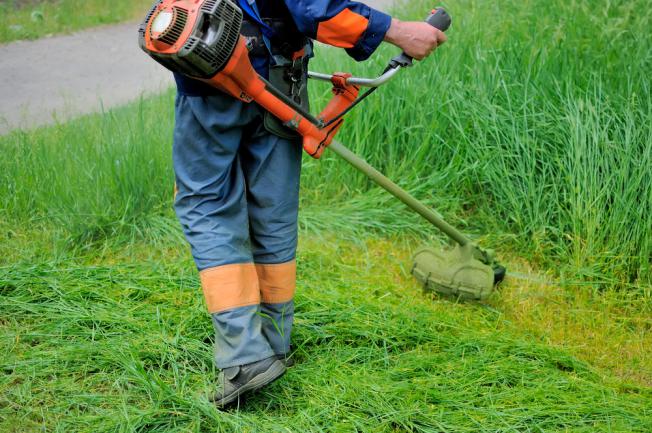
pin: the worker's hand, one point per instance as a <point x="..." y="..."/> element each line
<point x="416" y="38"/>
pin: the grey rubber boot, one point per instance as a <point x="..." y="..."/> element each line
<point x="238" y="380"/>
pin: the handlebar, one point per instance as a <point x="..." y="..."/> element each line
<point x="438" y="18"/>
<point x="358" y="81"/>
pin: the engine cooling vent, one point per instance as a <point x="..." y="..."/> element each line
<point x="172" y="35"/>
<point x="143" y="26"/>
<point x="212" y="36"/>
<point x="209" y="6"/>
<point x="218" y="33"/>
<point x="233" y="19"/>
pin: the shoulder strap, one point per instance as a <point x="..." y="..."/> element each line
<point x="250" y="8"/>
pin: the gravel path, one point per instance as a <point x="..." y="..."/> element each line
<point x="57" y="78"/>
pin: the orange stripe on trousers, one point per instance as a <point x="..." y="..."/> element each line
<point x="230" y="286"/>
<point x="343" y="30"/>
<point x="277" y="282"/>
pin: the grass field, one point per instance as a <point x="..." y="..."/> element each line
<point x="119" y="341"/>
<point x="533" y="134"/>
<point x="33" y="19"/>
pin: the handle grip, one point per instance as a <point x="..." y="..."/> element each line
<point x="440" y="20"/>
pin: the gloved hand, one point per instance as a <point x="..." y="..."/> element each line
<point x="416" y="38"/>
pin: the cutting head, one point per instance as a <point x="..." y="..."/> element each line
<point x="194" y="37"/>
<point x="464" y="272"/>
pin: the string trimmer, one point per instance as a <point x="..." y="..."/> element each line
<point x="201" y="39"/>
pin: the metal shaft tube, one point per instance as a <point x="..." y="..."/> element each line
<point x="398" y="192"/>
<point x="359" y="81"/>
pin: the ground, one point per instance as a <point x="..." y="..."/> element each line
<point x="532" y="135"/>
<point x="118" y="339"/>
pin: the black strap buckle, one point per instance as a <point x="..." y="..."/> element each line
<point x="295" y="75"/>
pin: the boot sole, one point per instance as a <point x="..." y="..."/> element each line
<point x="276" y="370"/>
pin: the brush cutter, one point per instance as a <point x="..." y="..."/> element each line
<point x="201" y="39"/>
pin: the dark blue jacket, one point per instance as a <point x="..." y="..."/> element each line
<point x="342" y="23"/>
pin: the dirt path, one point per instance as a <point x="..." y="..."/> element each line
<point x="57" y="78"/>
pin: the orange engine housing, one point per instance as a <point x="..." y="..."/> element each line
<point x="201" y="39"/>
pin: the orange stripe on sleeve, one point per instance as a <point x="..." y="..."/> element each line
<point x="230" y="286"/>
<point x="277" y="282"/>
<point x="343" y="30"/>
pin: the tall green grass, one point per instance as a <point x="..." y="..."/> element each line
<point x="536" y="118"/>
<point x="33" y="19"/>
<point x="98" y="177"/>
<point x="534" y="124"/>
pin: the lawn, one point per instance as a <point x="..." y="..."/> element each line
<point x="118" y="340"/>
<point x="33" y="19"/>
<point x="533" y="134"/>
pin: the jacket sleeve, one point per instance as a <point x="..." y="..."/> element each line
<point x="342" y="23"/>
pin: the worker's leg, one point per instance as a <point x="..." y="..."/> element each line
<point x="211" y="206"/>
<point x="272" y="168"/>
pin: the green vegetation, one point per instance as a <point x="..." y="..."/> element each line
<point x="531" y="129"/>
<point x="536" y="129"/>
<point x="122" y="343"/>
<point x="537" y="125"/>
<point x="33" y="19"/>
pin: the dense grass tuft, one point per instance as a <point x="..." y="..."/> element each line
<point x="99" y="176"/>
<point x="535" y="120"/>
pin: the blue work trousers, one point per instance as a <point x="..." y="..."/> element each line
<point x="237" y="200"/>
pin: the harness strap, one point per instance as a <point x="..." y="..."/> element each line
<point x="250" y="8"/>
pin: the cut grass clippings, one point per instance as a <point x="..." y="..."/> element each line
<point x="20" y="19"/>
<point x="125" y="345"/>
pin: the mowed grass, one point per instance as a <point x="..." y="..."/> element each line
<point x="123" y="343"/>
<point x="531" y="133"/>
<point x="33" y="19"/>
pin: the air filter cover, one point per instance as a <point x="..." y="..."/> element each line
<point x="195" y="38"/>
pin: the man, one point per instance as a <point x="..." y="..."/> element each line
<point x="237" y="174"/>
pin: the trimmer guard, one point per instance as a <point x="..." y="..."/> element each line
<point x="453" y="272"/>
